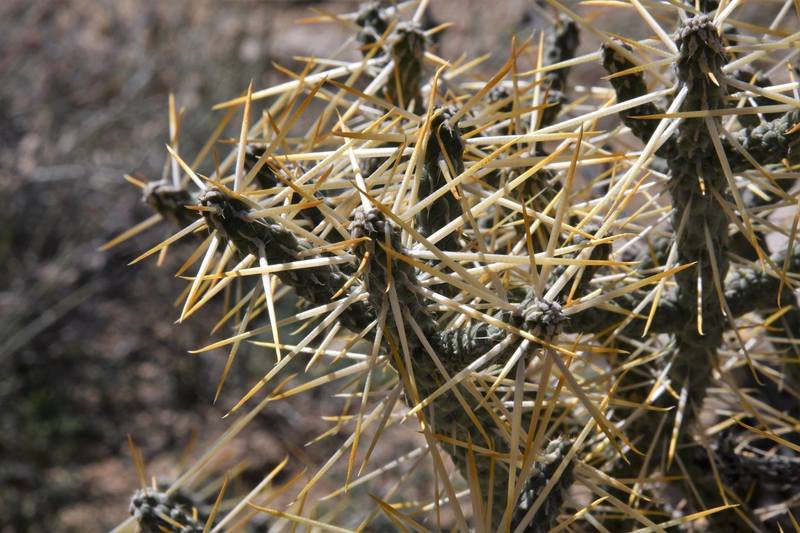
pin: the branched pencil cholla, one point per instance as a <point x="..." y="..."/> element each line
<point x="582" y="296"/>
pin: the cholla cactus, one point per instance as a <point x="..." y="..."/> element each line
<point x="156" y="511"/>
<point x="560" y="311"/>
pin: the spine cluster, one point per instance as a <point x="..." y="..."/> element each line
<point x="466" y="360"/>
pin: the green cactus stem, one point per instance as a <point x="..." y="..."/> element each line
<point x="157" y="512"/>
<point x="545" y="517"/>
<point x="407" y="45"/>
<point x="456" y="349"/>
<point x="316" y="285"/>
<point x="444" y="148"/>
<point x="373" y="22"/>
<point x="632" y="86"/>
<point x="170" y="202"/>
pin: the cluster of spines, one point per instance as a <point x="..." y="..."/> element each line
<point x="156" y="512"/>
<point x="700" y="311"/>
<point x="696" y="183"/>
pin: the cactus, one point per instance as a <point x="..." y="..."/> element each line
<point x="157" y="511"/>
<point x="562" y="312"/>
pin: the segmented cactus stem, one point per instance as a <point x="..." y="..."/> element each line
<point x="157" y="511"/>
